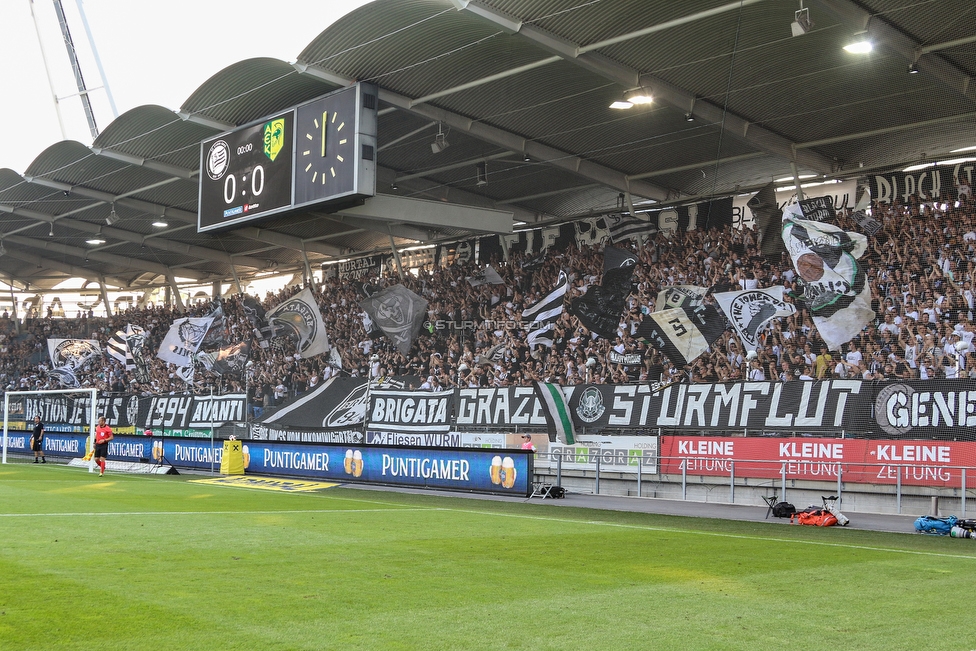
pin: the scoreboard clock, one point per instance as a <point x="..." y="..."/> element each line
<point x="321" y="153"/>
<point x="247" y="173"/>
<point x="335" y="146"/>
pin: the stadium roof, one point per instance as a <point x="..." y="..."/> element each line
<point x="523" y="86"/>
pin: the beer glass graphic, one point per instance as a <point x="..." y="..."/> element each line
<point x="157" y="450"/>
<point x="246" y="454"/>
<point x="508" y="472"/>
<point x="347" y="462"/>
<point x="357" y="464"/>
<point x="496" y="470"/>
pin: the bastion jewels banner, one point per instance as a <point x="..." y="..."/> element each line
<point x="131" y="414"/>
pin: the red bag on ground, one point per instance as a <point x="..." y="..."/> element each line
<point x="816" y="518"/>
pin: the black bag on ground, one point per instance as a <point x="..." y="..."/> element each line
<point x="783" y="510"/>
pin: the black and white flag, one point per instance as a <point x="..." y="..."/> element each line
<point x="751" y="309"/>
<point x="835" y="286"/>
<point x="300" y="319"/>
<point x="126" y="344"/>
<point x="626" y="227"/>
<point x="72" y="354"/>
<point x="487" y="276"/>
<point x="543" y="314"/>
<point x="254" y="312"/>
<point x="493" y="355"/>
<point x="768" y="216"/>
<point x="601" y="307"/>
<point x="399" y="313"/>
<point x="682" y="334"/>
<point x="679" y="296"/>
<point x="183" y="340"/>
<point x="215" y="335"/>
<point x="231" y="360"/>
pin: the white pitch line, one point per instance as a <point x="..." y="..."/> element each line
<point x="151" y="513"/>
<point x="719" y="535"/>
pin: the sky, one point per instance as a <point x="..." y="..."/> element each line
<point x="151" y="51"/>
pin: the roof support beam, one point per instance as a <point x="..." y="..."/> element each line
<point x="60" y="267"/>
<point x="108" y="258"/>
<point x="288" y="241"/>
<point x="856" y="18"/>
<point x="420" y="212"/>
<point x="587" y="57"/>
<point x="404" y="231"/>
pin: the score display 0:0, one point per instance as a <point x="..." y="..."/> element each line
<point x="230" y="183"/>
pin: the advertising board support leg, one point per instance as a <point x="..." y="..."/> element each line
<point x="6" y="411"/>
<point x="898" y="490"/>
<point x="840" y="474"/>
<point x="640" y="462"/>
<point x="962" y="506"/>
<point x="782" y="492"/>
<point x="684" y="479"/>
<point x="596" y="480"/>
<point x="732" y="482"/>
<point x="559" y="470"/>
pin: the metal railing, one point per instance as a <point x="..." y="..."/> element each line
<point x="899" y="480"/>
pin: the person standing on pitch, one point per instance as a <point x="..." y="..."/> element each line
<point x="37" y="440"/>
<point x="103" y="434"/>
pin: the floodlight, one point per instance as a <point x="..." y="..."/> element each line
<point x="801" y="22"/>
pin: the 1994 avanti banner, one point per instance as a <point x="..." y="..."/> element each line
<point x="129" y="414"/>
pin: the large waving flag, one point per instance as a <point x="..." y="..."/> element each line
<point x="542" y="316"/>
<point x="835" y="286"/>
<point x="399" y="313"/>
<point x="682" y="334"/>
<point x="299" y="317"/>
<point x="602" y="305"/>
<point x="72" y="353"/>
<point x="126" y="344"/>
<point x="751" y="309"/>
<point x="183" y="340"/>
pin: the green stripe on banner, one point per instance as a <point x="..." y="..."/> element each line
<point x="561" y="411"/>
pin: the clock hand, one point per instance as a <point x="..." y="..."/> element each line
<point x="324" y="131"/>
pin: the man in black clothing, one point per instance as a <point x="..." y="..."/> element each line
<point x="37" y="440"/>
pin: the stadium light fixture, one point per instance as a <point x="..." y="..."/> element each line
<point x="913" y="68"/>
<point x="160" y="223"/>
<point x="919" y="166"/>
<point x="622" y="104"/>
<point x="801" y="22"/>
<point x="95" y="241"/>
<point x="440" y="141"/>
<point x="112" y="217"/>
<point x="860" y="44"/>
<point x="962" y="149"/>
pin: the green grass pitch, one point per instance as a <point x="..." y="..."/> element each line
<point x="158" y="563"/>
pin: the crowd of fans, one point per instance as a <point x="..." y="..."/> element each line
<point x="921" y="268"/>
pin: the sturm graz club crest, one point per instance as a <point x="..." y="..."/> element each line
<point x="218" y="160"/>
<point x="892" y="409"/>
<point x="590" y="407"/>
<point x="132" y="410"/>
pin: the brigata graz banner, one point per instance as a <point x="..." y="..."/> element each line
<point x="862" y="461"/>
<point x="130" y="414"/>
<point x="914" y="409"/>
<point x="410" y="411"/>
